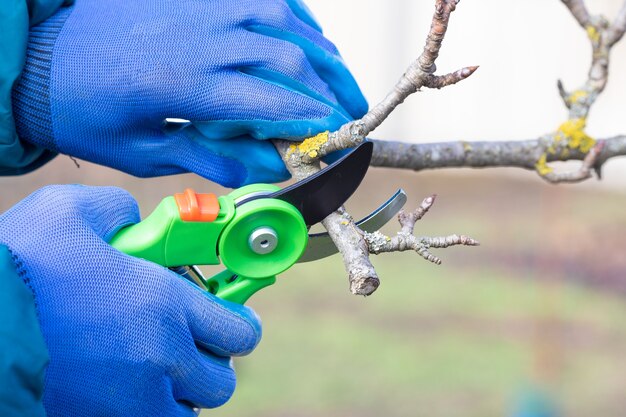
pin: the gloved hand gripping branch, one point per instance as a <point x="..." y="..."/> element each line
<point x="101" y="78"/>
<point x="125" y="337"/>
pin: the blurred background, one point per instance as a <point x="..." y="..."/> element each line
<point x="532" y="319"/>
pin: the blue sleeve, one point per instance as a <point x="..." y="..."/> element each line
<point x="23" y="353"/>
<point x="16" y="16"/>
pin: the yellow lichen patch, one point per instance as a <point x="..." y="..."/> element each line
<point x="466" y="146"/>
<point x="542" y="166"/>
<point x="574" y="132"/>
<point x="310" y="146"/>
<point x="576" y="96"/>
<point x="593" y="33"/>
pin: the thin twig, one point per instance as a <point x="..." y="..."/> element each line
<point x="302" y="159"/>
<point x="568" y="142"/>
<point x="579" y="10"/>
<point x="418" y="75"/>
<point x="583" y="173"/>
<point x="618" y="28"/>
<point x="405" y="239"/>
<point x="440" y="81"/>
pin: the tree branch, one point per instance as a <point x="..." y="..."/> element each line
<point x="405" y="240"/>
<point x="419" y="74"/>
<point x="579" y="10"/>
<point x="618" y="28"/>
<point x="568" y="142"/>
<point x="302" y="159"/>
<point x="517" y="153"/>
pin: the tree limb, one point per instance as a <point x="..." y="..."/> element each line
<point x="481" y="154"/>
<point x="618" y="28"/>
<point x="568" y="142"/>
<point x="579" y="10"/>
<point x="302" y="159"/>
<point x="405" y="239"/>
<point x="419" y="74"/>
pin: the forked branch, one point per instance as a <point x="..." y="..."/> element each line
<point x="302" y="159"/>
<point x="405" y="239"/>
<point x="419" y="74"/>
<point x="568" y="142"/>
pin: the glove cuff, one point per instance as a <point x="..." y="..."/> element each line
<point x="31" y="94"/>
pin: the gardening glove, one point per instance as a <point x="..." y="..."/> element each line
<point x="125" y="337"/>
<point x="102" y="77"/>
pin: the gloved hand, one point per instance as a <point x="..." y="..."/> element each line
<point x="126" y="337"/>
<point x="101" y="77"/>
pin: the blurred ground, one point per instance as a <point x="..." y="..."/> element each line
<point x="542" y="300"/>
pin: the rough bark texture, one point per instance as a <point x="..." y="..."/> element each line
<point x="355" y="251"/>
<point x="476" y="154"/>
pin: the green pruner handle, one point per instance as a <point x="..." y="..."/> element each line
<point x="255" y="241"/>
<point x="226" y="285"/>
<point x="235" y="288"/>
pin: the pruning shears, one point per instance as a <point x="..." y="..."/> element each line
<point x="257" y="231"/>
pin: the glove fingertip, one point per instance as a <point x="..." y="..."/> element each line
<point x="117" y="208"/>
<point x="222" y="327"/>
<point x="248" y="325"/>
<point x="357" y="106"/>
<point x="246" y="160"/>
<point x="104" y="209"/>
<point x="304" y="13"/>
<point x="329" y="66"/>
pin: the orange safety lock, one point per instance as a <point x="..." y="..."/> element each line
<point x="194" y="207"/>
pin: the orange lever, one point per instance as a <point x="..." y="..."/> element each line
<point x="194" y="207"/>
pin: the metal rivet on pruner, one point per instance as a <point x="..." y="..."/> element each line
<point x="263" y="240"/>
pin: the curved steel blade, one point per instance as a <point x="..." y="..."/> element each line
<point x="321" y="245"/>
<point x="324" y="192"/>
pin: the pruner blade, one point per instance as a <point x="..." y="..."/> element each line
<point x="321" y="245"/>
<point x="317" y="196"/>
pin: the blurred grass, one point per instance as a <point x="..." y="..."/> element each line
<point x="541" y="301"/>
<point x="432" y="341"/>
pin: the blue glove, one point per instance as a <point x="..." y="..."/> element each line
<point x="126" y="337"/>
<point x="101" y="77"/>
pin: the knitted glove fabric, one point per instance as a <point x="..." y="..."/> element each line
<point x="102" y="77"/>
<point x="125" y="337"/>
